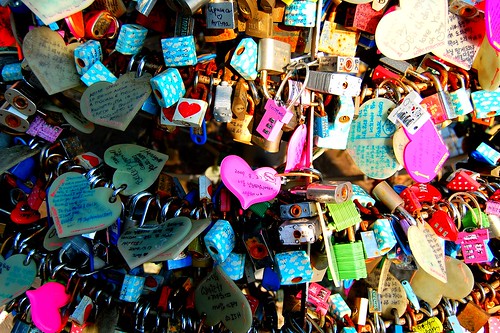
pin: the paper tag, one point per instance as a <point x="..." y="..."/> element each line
<point x="492" y="13"/>
<point x="464" y="39"/>
<point x="50" y="11"/>
<point x="427" y="251"/>
<point x="487" y="63"/>
<point x="410" y="113"/>
<point x="249" y="186"/>
<point x="40" y="128"/>
<point x="431" y="325"/>
<point x="295" y="150"/>
<point x="392" y="294"/>
<point x="493" y="207"/>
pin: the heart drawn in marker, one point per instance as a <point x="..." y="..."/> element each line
<point x="187" y="109"/>
<point x="15" y="277"/>
<point x="249" y="186"/>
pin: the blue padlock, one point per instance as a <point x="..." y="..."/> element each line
<point x="220" y="241"/>
<point x="294" y="267"/>
<point x="234" y="265"/>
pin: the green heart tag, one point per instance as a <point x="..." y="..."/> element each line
<point x="15" y="277"/>
<point x="136" y="166"/>
<point x="222" y="301"/>
<point x="77" y="209"/>
<point x="139" y="245"/>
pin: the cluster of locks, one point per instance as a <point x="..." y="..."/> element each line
<point x="100" y="233"/>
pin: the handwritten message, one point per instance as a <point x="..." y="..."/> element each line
<point x="300" y="13"/>
<point x="139" y="245"/>
<point x="78" y="209"/>
<point x="15" y="277"/>
<point x="413" y="29"/>
<point x="365" y="18"/>
<point x="220" y="15"/>
<point x="136" y="167"/>
<point x="115" y="105"/>
<point x="392" y="294"/>
<point x="52" y="242"/>
<point x="116" y="7"/>
<point x="249" y="186"/>
<point x="464" y="39"/>
<point x="50" y="11"/>
<point x="369" y="142"/>
<point x="51" y="59"/>
<point x="222" y="301"/>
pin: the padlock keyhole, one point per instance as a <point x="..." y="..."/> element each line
<point x="80" y="62"/>
<point x="297" y="279"/>
<point x="297" y="234"/>
<point x="158" y="94"/>
<point x="213" y="249"/>
<point x="20" y="102"/>
<point x="12" y="121"/>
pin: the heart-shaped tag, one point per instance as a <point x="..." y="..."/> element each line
<point x="249" y="186"/>
<point x="51" y="59"/>
<point x="221" y="300"/>
<point x="392" y="294"/>
<point x="413" y="29"/>
<point x="139" y="245"/>
<point x="46" y="302"/>
<point x="187" y="109"/>
<point x="136" y="166"/>
<point x="369" y="143"/>
<point x="487" y="63"/>
<point x="114" y="105"/>
<point x="52" y="242"/>
<point x="492" y="12"/>
<point x="77" y="209"/>
<point x="15" y="277"/>
<point x="50" y="11"/>
<point x="295" y="150"/>
<point x="425" y="154"/>
<point x="459" y="285"/>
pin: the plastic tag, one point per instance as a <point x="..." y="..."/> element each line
<point x="410" y="113"/>
<point x="492" y="207"/>
<point x="411" y="295"/>
<point x="15" y="277"/>
<point x="319" y="296"/>
<point x="46" y="302"/>
<point x="431" y="325"/>
<point x="295" y="149"/>
<point x="370" y="244"/>
<point x="40" y="128"/>
<point x="273" y="120"/>
<point x="392" y="294"/>
<point x="493" y="23"/>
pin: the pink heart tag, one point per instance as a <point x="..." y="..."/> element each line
<point x="295" y="150"/>
<point x="425" y="154"/>
<point x="46" y="302"/>
<point x="249" y="186"/>
<point x="493" y="23"/>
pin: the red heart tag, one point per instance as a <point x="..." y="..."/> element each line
<point x="443" y="225"/>
<point x="187" y="109"/>
<point x="168" y="113"/>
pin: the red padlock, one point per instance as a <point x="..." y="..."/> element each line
<point x="443" y="225"/>
<point x="426" y="193"/>
<point x="101" y="24"/>
<point x="463" y="180"/>
<point x="412" y="204"/>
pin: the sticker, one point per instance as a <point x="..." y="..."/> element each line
<point x="464" y="39"/>
<point x="136" y="166"/>
<point x="46" y="302"/>
<point x="295" y="150"/>
<point x="370" y="139"/>
<point x="15" y="277"/>
<point x="425" y="154"/>
<point x="77" y="209"/>
<point x="431" y="325"/>
<point x="50" y="11"/>
<point x="410" y="113"/>
<point x="249" y="186"/>
<point x="51" y="59"/>
<point x="412" y="29"/>
<point x="115" y="105"/>
<point x="221" y="300"/>
<point x="139" y="245"/>
<point x="492" y="12"/>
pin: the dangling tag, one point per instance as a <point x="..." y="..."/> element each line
<point x="410" y="113"/>
<point x="474" y="247"/>
<point x="392" y="294"/>
<point x="15" y="277"/>
<point x="136" y="166"/>
<point x="295" y="150"/>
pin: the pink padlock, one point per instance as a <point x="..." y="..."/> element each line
<point x="274" y="118"/>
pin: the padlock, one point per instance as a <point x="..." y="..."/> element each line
<point x="298" y="210"/>
<point x="24" y="97"/>
<point x="337" y="41"/>
<point x="363" y="17"/>
<point x="258" y="249"/>
<point x="11" y="72"/>
<point x="338" y="131"/>
<point x="130" y="39"/>
<point x="145" y="7"/>
<point x="273" y="56"/>
<point x="334" y="83"/>
<point x="168" y="87"/>
<point x="344" y="215"/>
<point x="300" y="13"/>
<point x="98" y="73"/>
<point x="474" y="247"/>
<point x="184" y="25"/>
<point x="472" y="317"/>
<point x="261" y="26"/>
<point x="299" y="231"/>
<point x="179" y="51"/>
<point x="463" y="180"/>
<point x="294" y="267"/>
<point x="384" y="235"/>
<point x="275" y="116"/>
<point x="86" y="55"/>
<point x="465" y="8"/>
<point x="220" y="240"/>
<point x="321" y="121"/>
<point x="220" y="14"/>
<point x="244" y="59"/>
<point x="186" y="7"/>
<point x="396" y="327"/>
<point x="240" y="128"/>
<point x="460" y="94"/>
<point x="222" y="103"/>
<point x="338" y="307"/>
<point x="13" y="119"/>
<point x="438" y="104"/>
<point x="132" y="287"/>
<point x="234" y="265"/>
<point x="100" y="24"/>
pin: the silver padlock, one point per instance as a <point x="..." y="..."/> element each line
<point x="334" y="83"/>
<point x="222" y="104"/>
<point x="273" y="56"/>
<point x="298" y="210"/>
<point x="299" y="231"/>
<point x="24" y="97"/>
<point x="13" y="119"/>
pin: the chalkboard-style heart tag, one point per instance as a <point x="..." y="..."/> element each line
<point x="412" y="29"/>
<point x="425" y="154"/>
<point x="136" y="166"/>
<point x="249" y="186"/>
<point x="139" y="245"/>
<point x="370" y="139"/>
<point x="77" y="209"/>
<point x="15" y="277"/>
<point x="50" y="11"/>
<point x="51" y="60"/>
<point x="46" y="302"/>
<point x="221" y="300"/>
<point x="295" y="150"/>
<point x="459" y="285"/>
<point x="114" y="105"/>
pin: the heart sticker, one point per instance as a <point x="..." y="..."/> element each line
<point x="492" y="12"/>
<point x="114" y="105"/>
<point x="370" y="139"/>
<point x="136" y="166"/>
<point x="425" y="154"/>
<point x="295" y="150"/>
<point x="46" y="302"/>
<point x="77" y="209"/>
<point x="51" y="59"/>
<point x="139" y="245"/>
<point x="187" y="109"/>
<point x="50" y="11"/>
<point x="221" y="300"/>
<point x="249" y="186"/>
<point x="15" y="277"/>
<point x="413" y="29"/>
<point x="168" y="113"/>
<point x="459" y="285"/>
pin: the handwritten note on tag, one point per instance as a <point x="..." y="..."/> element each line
<point x="464" y="39"/>
<point x="39" y="127"/>
<point x="15" y="277"/>
<point x="50" y="11"/>
<point x="115" y="105"/>
<point x="392" y="294"/>
<point x="51" y="59"/>
<point x="493" y="23"/>
<point x="295" y="150"/>
<point x="413" y="29"/>
<point x="136" y="166"/>
<point x="249" y="186"/>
